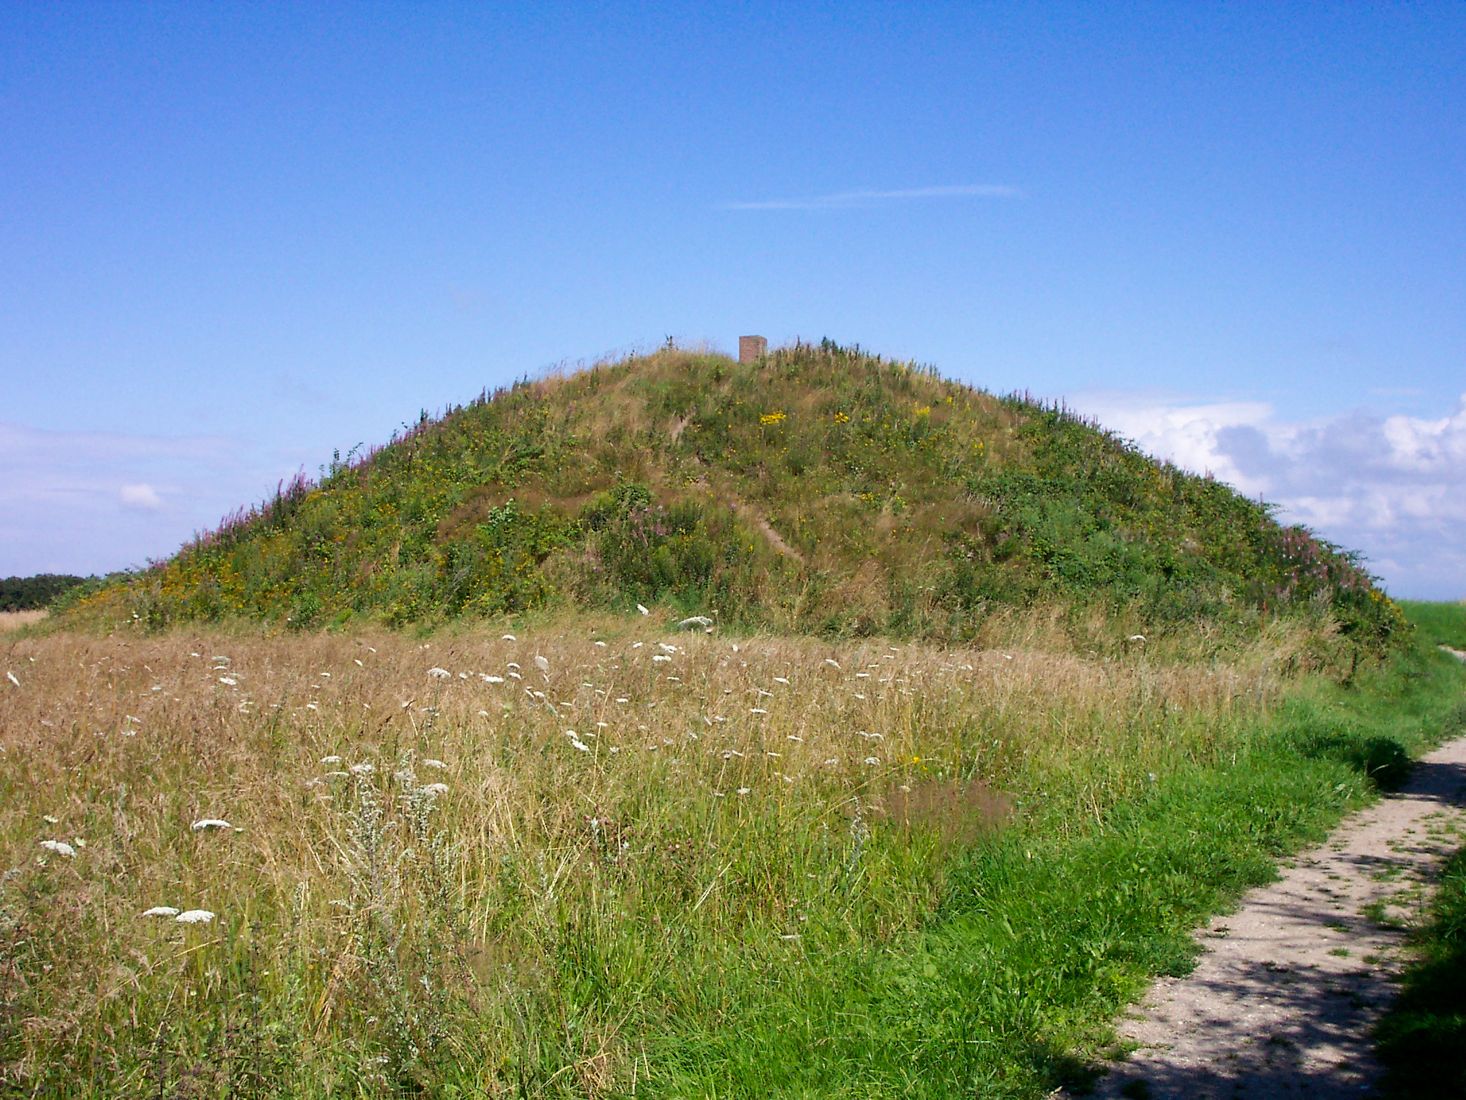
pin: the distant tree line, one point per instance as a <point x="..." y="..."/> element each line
<point x="28" y="593"/>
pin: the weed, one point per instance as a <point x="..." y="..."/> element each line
<point x="819" y="489"/>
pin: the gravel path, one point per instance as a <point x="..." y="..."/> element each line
<point x="1283" y="1001"/>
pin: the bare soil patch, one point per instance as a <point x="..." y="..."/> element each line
<point x="1285" y="998"/>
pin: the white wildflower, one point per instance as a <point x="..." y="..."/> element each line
<point x="507" y="638"/>
<point x="781" y="679"/>
<point x="440" y="673"/>
<point x="51" y="819"/>
<point x="210" y="823"/>
<point x="758" y="710"/>
<point x="486" y="678"/>
<point x="660" y="657"/>
<point x="195" y="916"/>
<point x="832" y="663"/>
<point x="1136" y="638"/>
<point x="332" y="759"/>
<point x="601" y="645"/>
<point x="160" y="911"/>
<point x="665" y="648"/>
<point x="542" y="664"/>
<point x="362" y="769"/>
<point x="60" y="847"/>
<point x="744" y="790"/>
<point x="579" y="746"/>
<point x="872" y="760"/>
<point x="431" y="763"/>
<point x="228" y="681"/>
<point x="643" y="610"/>
<point x="695" y="621"/>
<point x="434" y="788"/>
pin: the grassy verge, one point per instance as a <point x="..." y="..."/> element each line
<point x="658" y="863"/>
<point x="1045" y="935"/>
<point x="1423" y="1039"/>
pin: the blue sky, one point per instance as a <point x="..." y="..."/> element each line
<point x="234" y="238"/>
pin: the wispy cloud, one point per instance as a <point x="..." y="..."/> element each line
<point x="854" y="200"/>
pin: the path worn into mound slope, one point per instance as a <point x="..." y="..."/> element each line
<point x="1283" y="1002"/>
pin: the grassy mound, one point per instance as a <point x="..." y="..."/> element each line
<point x="818" y="490"/>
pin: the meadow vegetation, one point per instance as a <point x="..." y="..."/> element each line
<point x="17" y="620"/>
<point x="599" y="856"/>
<point x="979" y="712"/>
<point x="819" y="490"/>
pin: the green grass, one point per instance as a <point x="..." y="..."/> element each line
<point x="820" y="490"/>
<point x="1422" y="1040"/>
<point x="566" y="924"/>
<point x="1043" y="937"/>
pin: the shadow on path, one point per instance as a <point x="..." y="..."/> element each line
<point x="1284" y="1000"/>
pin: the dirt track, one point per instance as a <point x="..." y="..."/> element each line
<point x="1284" y="999"/>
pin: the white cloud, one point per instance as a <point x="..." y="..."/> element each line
<point x="141" y="495"/>
<point x="847" y="200"/>
<point x="1427" y="445"/>
<point x="1392" y="487"/>
<point x="1190" y="435"/>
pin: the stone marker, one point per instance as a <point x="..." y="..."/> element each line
<point x="751" y="348"/>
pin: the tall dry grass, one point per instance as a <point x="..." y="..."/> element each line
<point x="14" y="620"/>
<point x="444" y="857"/>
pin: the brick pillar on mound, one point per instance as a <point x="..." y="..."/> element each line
<point x="751" y="348"/>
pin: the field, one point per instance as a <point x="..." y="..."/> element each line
<point x="14" y="620"/>
<point x="599" y="856"/>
